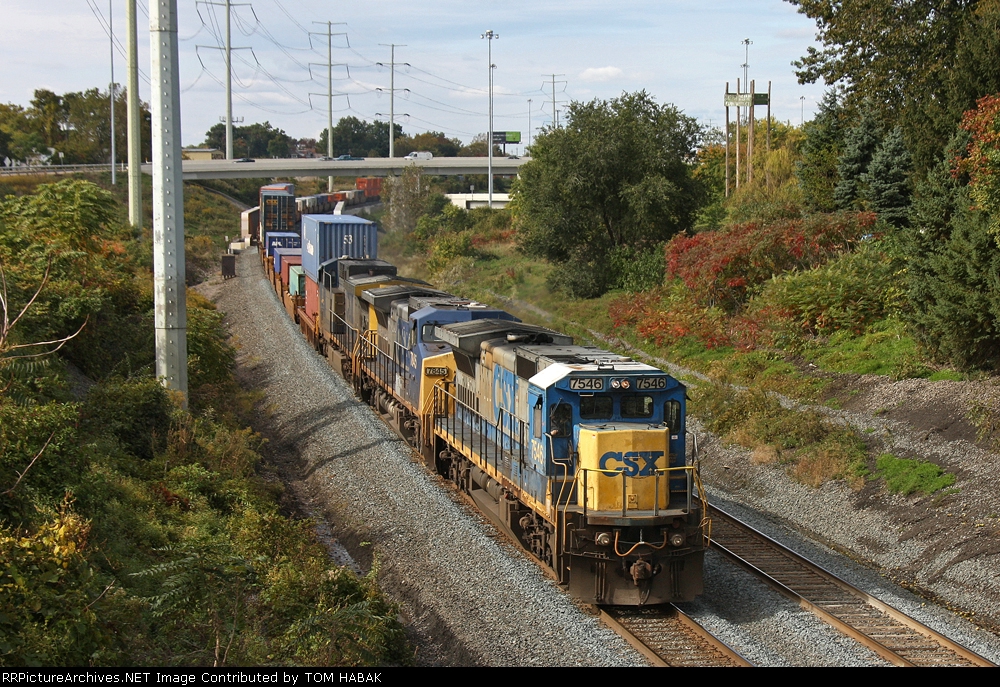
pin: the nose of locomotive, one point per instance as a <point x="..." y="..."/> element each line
<point x="624" y="467"/>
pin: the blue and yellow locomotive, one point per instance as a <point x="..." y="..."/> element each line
<point x="578" y="452"/>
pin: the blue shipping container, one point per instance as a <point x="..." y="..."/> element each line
<point x="328" y="237"/>
<point x="281" y="239"/>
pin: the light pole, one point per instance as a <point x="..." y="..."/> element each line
<point x="111" y="31"/>
<point x="489" y="36"/>
<point x="802" y="109"/>
<point x="529" y="126"/>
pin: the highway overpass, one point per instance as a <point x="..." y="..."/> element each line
<point x="314" y="167"/>
<point x="299" y="167"/>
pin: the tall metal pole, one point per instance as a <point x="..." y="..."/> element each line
<point x="553" y="101"/>
<point x="489" y="36"/>
<point x="329" y="100"/>
<point x="738" y="142"/>
<point x="392" y="100"/>
<point x="169" y="297"/>
<point x="529" y="125"/>
<point x="134" y="122"/>
<point x="111" y="31"/>
<point x="229" y="87"/>
<point x="727" y="140"/>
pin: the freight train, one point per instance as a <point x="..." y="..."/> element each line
<point x="280" y="211"/>
<point x="577" y="452"/>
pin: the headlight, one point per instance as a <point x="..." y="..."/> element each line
<point x="677" y="539"/>
<point x="602" y="539"/>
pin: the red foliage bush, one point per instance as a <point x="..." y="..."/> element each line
<point x="667" y="316"/>
<point x="720" y="268"/>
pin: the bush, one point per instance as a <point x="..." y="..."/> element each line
<point x="136" y="412"/>
<point x="723" y="268"/>
<point x="849" y="293"/>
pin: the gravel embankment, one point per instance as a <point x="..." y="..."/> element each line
<point x="468" y="596"/>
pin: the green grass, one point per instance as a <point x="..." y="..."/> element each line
<point x="884" y="349"/>
<point x="905" y="476"/>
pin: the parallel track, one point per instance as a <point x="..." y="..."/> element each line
<point x="899" y="639"/>
<point x="669" y="638"/>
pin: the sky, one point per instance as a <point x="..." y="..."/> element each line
<point x="681" y="52"/>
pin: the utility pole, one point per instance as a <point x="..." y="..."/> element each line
<point x="169" y="298"/>
<point x="529" y="125"/>
<point x="490" y="36"/>
<point x="228" y="48"/>
<point x="134" y="121"/>
<point x="555" y="116"/>
<point x="329" y="92"/>
<point x="111" y="34"/>
<point x="392" y="93"/>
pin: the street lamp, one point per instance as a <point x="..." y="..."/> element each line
<point x="529" y="127"/>
<point x="489" y="36"/>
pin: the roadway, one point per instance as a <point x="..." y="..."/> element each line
<point x="314" y="167"/>
<point x="298" y="167"/>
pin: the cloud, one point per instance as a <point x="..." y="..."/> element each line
<point x="601" y="73"/>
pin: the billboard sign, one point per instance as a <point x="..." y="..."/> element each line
<point x="502" y="137"/>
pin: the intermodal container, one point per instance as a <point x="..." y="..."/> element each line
<point x="283" y="255"/>
<point x="328" y="237"/>
<point x="250" y="223"/>
<point x="278" y="211"/>
<point x="293" y="259"/>
<point x="296" y="280"/>
<point x="281" y="239"/>
<point x="312" y="297"/>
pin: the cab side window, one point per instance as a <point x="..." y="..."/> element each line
<point x="561" y="419"/>
<point x="672" y="416"/>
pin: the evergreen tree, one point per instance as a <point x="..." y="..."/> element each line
<point x="953" y="271"/>
<point x="817" y="171"/>
<point x="860" y="145"/>
<point x="887" y="181"/>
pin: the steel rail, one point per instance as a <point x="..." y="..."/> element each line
<point x="670" y="638"/>
<point x="893" y="635"/>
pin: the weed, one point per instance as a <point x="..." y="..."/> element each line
<point x="985" y="417"/>
<point x="905" y="476"/>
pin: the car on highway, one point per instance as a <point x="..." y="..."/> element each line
<point x="419" y="155"/>
<point x="244" y="159"/>
<point x="349" y="157"/>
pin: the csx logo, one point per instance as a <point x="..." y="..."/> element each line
<point x="630" y="462"/>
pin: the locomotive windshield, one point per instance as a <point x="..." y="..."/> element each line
<point x="597" y="407"/>
<point x="637" y="406"/>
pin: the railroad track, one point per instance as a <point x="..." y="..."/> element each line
<point x="668" y="637"/>
<point x="899" y="639"/>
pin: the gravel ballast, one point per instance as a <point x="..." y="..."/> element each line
<point x="468" y="596"/>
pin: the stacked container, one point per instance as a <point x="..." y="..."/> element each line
<point x="329" y="237"/>
<point x="277" y="208"/>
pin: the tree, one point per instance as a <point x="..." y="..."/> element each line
<point x="252" y="140"/>
<point x="433" y="141"/>
<point x="817" y="171"/>
<point x="981" y="161"/>
<point x="616" y="177"/>
<point x="351" y="136"/>
<point x="888" y="180"/>
<point x="860" y="144"/>
<point x="921" y="62"/>
<point x="405" y="197"/>
<point x="953" y="270"/>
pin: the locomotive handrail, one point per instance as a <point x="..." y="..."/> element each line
<point x="464" y="432"/>
<point x="690" y="472"/>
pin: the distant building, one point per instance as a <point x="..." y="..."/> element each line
<point x="201" y="154"/>
<point x="467" y="201"/>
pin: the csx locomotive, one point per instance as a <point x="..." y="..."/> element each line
<point x="577" y="452"/>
